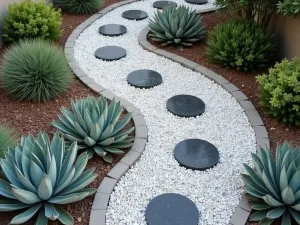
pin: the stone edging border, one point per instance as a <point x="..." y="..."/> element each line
<point x="243" y="210"/>
<point x="98" y="212"/>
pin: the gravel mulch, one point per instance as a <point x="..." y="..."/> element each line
<point x="28" y="117"/>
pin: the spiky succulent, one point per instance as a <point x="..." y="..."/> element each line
<point x="176" y="26"/>
<point x="42" y="176"/>
<point x="96" y="126"/>
<point x="273" y="187"/>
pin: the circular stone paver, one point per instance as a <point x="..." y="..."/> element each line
<point x="197" y="2"/>
<point x="172" y="209"/>
<point x="110" y="53"/>
<point x="135" y="15"/>
<point x="112" y="30"/>
<point x="144" y="78"/>
<point x="163" y="4"/>
<point x="196" y="154"/>
<point x="186" y="106"/>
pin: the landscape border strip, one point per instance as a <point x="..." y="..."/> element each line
<point x="99" y="207"/>
<point x="243" y="210"/>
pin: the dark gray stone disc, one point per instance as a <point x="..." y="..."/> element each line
<point x="144" y="78"/>
<point x="135" y="14"/>
<point x="197" y="2"/>
<point x="110" y="53"/>
<point x="112" y="30"/>
<point x="172" y="209"/>
<point x="196" y="154"/>
<point x="186" y="106"/>
<point x="163" y="4"/>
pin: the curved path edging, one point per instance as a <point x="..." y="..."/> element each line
<point x="243" y="210"/>
<point x="98" y="212"/>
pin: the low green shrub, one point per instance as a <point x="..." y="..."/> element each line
<point x="289" y="7"/>
<point x="79" y="6"/>
<point x="272" y="186"/>
<point x="280" y="91"/>
<point x="240" y="44"/>
<point x="97" y="126"/>
<point x="35" y="70"/>
<point x="7" y="139"/>
<point x="30" y="19"/>
<point x="41" y="176"/>
<point x="176" y="26"/>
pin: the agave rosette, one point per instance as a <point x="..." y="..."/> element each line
<point x="42" y="176"/>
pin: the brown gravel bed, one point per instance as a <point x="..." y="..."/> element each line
<point x="277" y="131"/>
<point x="28" y="117"/>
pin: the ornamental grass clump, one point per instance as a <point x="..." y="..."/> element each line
<point x="30" y="19"/>
<point x="35" y="70"/>
<point x="273" y="186"/>
<point x="241" y="45"/>
<point x="43" y="175"/>
<point x="96" y="126"/>
<point x="79" y="6"/>
<point x="280" y="91"/>
<point x="176" y="26"/>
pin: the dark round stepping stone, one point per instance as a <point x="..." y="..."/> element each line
<point x="197" y="2"/>
<point x="172" y="209"/>
<point x="135" y="14"/>
<point x="144" y="78"/>
<point x="163" y="4"/>
<point x="186" y="106"/>
<point x="112" y="30"/>
<point x="110" y="53"/>
<point x="196" y="154"/>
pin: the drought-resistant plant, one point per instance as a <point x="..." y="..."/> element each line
<point x="35" y="70"/>
<point x="259" y="11"/>
<point x="30" y="19"/>
<point x="273" y="186"/>
<point x="178" y="26"/>
<point x="7" y="138"/>
<point x="280" y="91"/>
<point x="289" y="7"/>
<point x="96" y="125"/>
<point x="240" y="44"/>
<point x="42" y="176"/>
<point x="79" y="6"/>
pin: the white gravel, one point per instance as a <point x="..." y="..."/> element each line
<point x="216" y="192"/>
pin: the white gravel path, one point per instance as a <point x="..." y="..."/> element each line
<point x="216" y="192"/>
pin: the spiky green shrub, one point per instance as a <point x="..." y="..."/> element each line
<point x="96" y="125"/>
<point x="241" y="45"/>
<point x="178" y="26"/>
<point x="280" y="91"/>
<point x="79" y="6"/>
<point x="35" y="70"/>
<point x="30" y="19"/>
<point x="43" y="175"/>
<point x="273" y="186"/>
<point x="7" y="138"/>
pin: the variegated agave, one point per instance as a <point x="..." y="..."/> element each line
<point x="274" y="187"/>
<point x="96" y="126"/>
<point x="42" y="176"/>
<point x="176" y="26"/>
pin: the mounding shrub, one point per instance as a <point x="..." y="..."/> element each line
<point x="273" y="186"/>
<point x="176" y="26"/>
<point x="280" y="91"/>
<point x="35" y="70"/>
<point x="79" y="6"/>
<point x="289" y="7"/>
<point x="96" y="126"/>
<point x="7" y="139"/>
<point x="241" y="45"/>
<point x="30" y="19"/>
<point x="42" y="176"/>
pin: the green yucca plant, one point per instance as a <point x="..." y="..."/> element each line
<point x="176" y="26"/>
<point x="273" y="187"/>
<point x="42" y="176"/>
<point x="79" y="6"/>
<point x="96" y="126"/>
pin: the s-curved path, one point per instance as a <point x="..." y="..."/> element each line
<point x="216" y="192"/>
